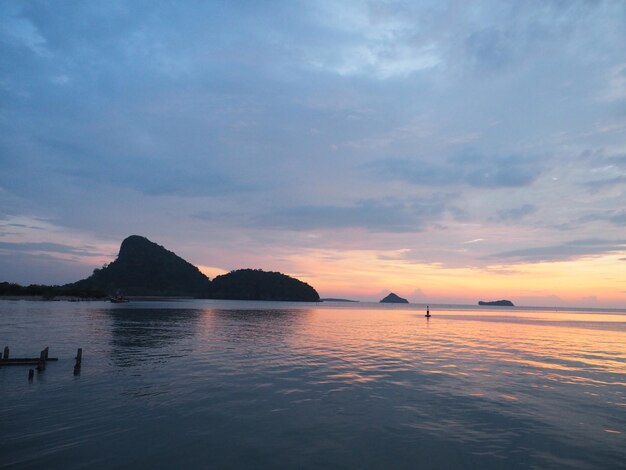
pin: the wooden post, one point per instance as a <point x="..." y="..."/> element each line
<point x="41" y="365"/>
<point x="46" y="353"/>
<point x="79" y="359"/>
<point x="31" y="374"/>
<point x="6" y="352"/>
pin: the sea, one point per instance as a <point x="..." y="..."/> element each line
<point x="264" y="385"/>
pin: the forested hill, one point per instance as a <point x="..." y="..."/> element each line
<point x="145" y="268"/>
<point x="255" y="284"/>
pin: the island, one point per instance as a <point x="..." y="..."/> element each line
<point x="394" y="299"/>
<point x="497" y="303"/>
<point x="256" y="284"/>
<point x="145" y="269"/>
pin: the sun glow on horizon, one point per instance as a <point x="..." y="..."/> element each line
<point x="366" y="275"/>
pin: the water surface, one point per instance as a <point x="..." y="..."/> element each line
<point x="224" y="384"/>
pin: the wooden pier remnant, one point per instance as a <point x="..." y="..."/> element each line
<point x="41" y="364"/>
<point x="26" y="361"/>
<point x="79" y="359"/>
<point x="31" y="374"/>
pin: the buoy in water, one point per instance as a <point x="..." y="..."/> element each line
<point x="428" y="315"/>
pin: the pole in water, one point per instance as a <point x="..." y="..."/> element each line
<point x="6" y="352"/>
<point x="79" y="359"/>
<point x="428" y="315"/>
<point x="41" y="365"/>
<point x="31" y="374"/>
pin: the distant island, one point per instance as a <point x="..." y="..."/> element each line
<point x="394" y="299"/>
<point x="497" y="303"/>
<point x="143" y="268"/>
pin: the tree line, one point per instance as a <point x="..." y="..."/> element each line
<point x="48" y="292"/>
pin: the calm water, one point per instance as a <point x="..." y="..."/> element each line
<point x="198" y="384"/>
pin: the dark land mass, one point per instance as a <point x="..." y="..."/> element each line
<point x="393" y="299"/>
<point x="337" y="300"/>
<point x="497" y="303"/>
<point x="144" y="269"/>
<point x="8" y="289"/>
<point x="255" y="284"/>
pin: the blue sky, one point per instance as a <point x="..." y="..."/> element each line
<point x="284" y="134"/>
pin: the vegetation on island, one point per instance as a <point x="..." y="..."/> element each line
<point x="8" y="289"/>
<point x="255" y="284"/>
<point x="143" y="268"/>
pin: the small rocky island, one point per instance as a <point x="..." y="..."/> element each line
<point x="394" y="299"/>
<point x="497" y="303"/>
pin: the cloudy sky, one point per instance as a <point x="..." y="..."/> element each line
<point x="449" y="151"/>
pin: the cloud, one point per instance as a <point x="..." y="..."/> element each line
<point x="491" y="47"/>
<point x="378" y="41"/>
<point x="20" y="31"/>
<point x="475" y="240"/>
<point x="34" y="227"/>
<point x="616" y="84"/>
<point x="371" y="215"/>
<point x="614" y="216"/>
<point x="515" y="214"/>
<point x="46" y="247"/>
<point x="607" y="183"/>
<point x="26" y="268"/>
<point x="567" y="251"/>
<point x="467" y="168"/>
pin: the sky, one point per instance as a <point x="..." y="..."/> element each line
<point x="448" y="151"/>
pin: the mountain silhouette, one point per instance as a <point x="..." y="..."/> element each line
<point x="394" y="299"/>
<point x="255" y="284"/>
<point x="144" y="268"/>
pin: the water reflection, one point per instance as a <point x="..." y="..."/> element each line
<point x="488" y="386"/>
<point x="267" y="326"/>
<point x="323" y="388"/>
<point x="139" y="335"/>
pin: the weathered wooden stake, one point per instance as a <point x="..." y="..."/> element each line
<point x="46" y="353"/>
<point x="79" y="359"/>
<point x="31" y="374"/>
<point x="41" y="365"/>
<point x="6" y="352"/>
